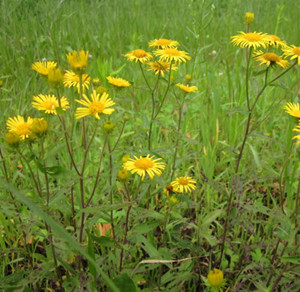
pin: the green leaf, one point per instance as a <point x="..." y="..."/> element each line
<point x="124" y="283"/>
<point x="291" y="259"/>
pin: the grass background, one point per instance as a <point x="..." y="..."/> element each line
<point x="214" y="117"/>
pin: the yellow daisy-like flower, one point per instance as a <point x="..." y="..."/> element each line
<point x="172" y="54"/>
<point x="293" y="52"/>
<point x="78" y="61"/>
<point x="72" y="79"/>
<point x="118" y="82"/>
<point x="163" y="43"/>
<point x="145" y="165"/>
<point x="94" y="106"/>
<point x="293" y="109"/>
<point x="19" y="126"/>
<point x="275" y="41"/>
<point x="43" y="67"/>
<point x="49" y="103"/>
<point x="139" y="56"/>
<point x="270" y="59"/>
<point x="215" y="277"/>
<point x="250" y="40"/>
<point x="183" y="184"/>
<point x="187" y="88"/>
<point x="160" y="67"/>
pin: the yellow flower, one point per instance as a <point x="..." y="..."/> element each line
<point x="54" y="76"/>
<point x="293" y="109"/>
<point x="172" y="54"/>
<point x="293" y="52"/>
<point x="138" y="56"/>
<point x="160" y="67"/>
<point x="49" y="103"/>
<point x="39" y="127"/>
<point x="118" y="82"/>
<point x="270" y="59"/>
<point x="145" y="165"/>
<point x="275" y="41"/>
<point x="43" y="67"/>
<point x="12" y="138"/>
<point x="19" y="126"/>
<point x="123" y="174"/>
<point x="163" y="43"/>
<point x="168" y="190"/>
<point x="250" y="39"/>
<point x="249" y="17"/>
<point x="72" y="79"/>
<point x="95" y="106"/>
<point x="96" y="81"/>
<point x="187" y="88"/>
<point x="183" y="184"/>
<point x="78" y="61"/>
<point x="215" y="277"/>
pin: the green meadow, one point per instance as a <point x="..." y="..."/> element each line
<point x="183" y="180"/>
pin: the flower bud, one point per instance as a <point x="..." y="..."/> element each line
<point x="188" y="78"/>
<point x="249" y="17"/>
<point x="126" y="117"/>
<point x="39" y="127"/>
<point x="1" y="83"/>
<point x="215" y="277"/>
<point x="55" y="76"/>
<point x="123" y="174"/>
<point x="125" y="158"/>
<point x="96" y="81"/>
<point x="12" y="139"/>
<point x="108" y="127"/>
<point x="100" y="90"/>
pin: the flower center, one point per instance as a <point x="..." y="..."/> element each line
<point x="271" y="57"/>
<point x="253" y="37"/>
<point x="172" y="52"/>
<point x="163" y="42"/>
<point x="49" y="105"/>
<point x="296" y="51"/>
<point x="23" y="129"/>
<point x="183" y="181"/>
<point x="96" y="107"/>
<point x="143" y="163"/>
<point x="139" y="53"/>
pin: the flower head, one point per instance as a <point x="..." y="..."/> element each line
<point x="19" y="126"/>
<point x="49" y="103"/>
<point x="55" y="77"/>
<point x="160" y="67"/>
<point x="250" y="40"/>
<point x="43" y="67"/>
<point x="12" y="139"/>
<point x="293" y="109"/>
<point x="123" y="174"/>
<point x="249" y="17"/>
<point x="163" y="43"/>
<point x="293" y="52"/>
<point x="183" y="184"/>
<point x="72" y="79"/>
<point x="118" y="82"/>
<point x="145" y="165"/>
<point x="215" y="277"/>
<point x="187" y="88"/>
<point x="94" y="106"/>
<point x="270" y="59"/>
<point x="78" y="61"/>
<point x="275" y="41"/>
<point x="138" y="56"/>
<point x="172" y="55"/>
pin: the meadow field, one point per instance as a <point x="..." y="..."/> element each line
<point x="149" y="145"/>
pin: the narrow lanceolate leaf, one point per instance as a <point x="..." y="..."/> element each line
<point x="60" y="232"/>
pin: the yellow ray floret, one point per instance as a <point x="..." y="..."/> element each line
<point x="49" y="103"/>
<point x="275" y="41"/>
<point x="250" y="40"/>
<point x="172" y="55"/>
<point x="145" y="165"/>
<point x="94" y="106"/>
<point x="43" y="67"/>
<point x="187" y="88"/>
<point x="293" y="109"/>
<point x="19" y="126"/>
<point x="293" y="52"/>
<point x="160" y="67"/>
<point x="183" y="184"/>
<point x="118" y="82"/>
